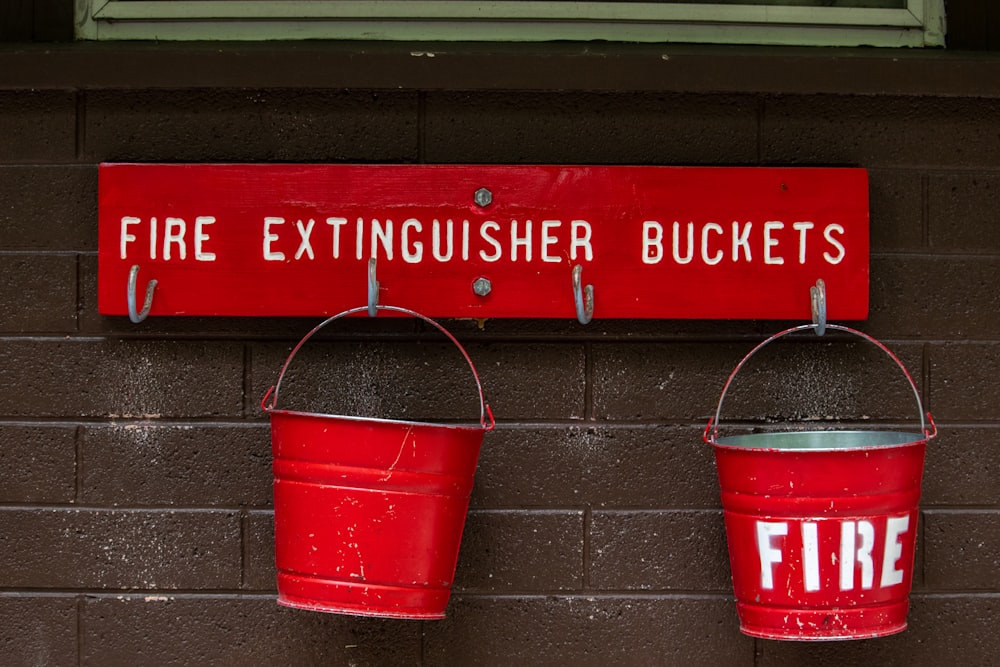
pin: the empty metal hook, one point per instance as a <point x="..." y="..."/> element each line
<point x="583" y="296"/>
<point x="817" y="295"/>
<point x="133" y="313"/>
<point x="372" y="289"/>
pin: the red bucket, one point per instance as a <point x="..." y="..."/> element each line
<point x="821" y="525"/>
<point x="369" y="513"/>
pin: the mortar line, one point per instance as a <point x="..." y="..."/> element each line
<point x="79" y="629"/>
<point x="77" y="438"/>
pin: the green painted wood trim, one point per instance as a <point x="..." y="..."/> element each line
<point x="509" y="20"/>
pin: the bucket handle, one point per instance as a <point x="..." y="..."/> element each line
<point x="713" y="424"/>
<point x="484" y="408"/>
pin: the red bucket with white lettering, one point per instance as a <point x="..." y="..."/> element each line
<point x="369" y="513"/>
<point x="821" y="525"/>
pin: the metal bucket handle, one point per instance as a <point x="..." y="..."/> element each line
<point x="484" y="408"/>
<point x="916" y="394"/>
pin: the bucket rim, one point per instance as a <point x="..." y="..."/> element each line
<point x="918" y="439"/>
<point x="378" y="420"/>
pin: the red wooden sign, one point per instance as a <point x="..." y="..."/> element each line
<point x="484" y="241"/>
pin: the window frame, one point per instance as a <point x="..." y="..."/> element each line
<point x="920" y="24"/>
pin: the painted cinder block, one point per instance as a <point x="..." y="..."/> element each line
<point x="39" y="126"/>
<point x="962" y="467"/>
<point x="546" y="128"/>
<point x="37" y="293"/>
<point x="48" y="207"/>
<point x="879" y="131"/>
<point x="121" y="379"/>
<point x="560" y="466"/>
<point x="896" y="203"/>
<point x="285" y="125"/>
<point x="212" y="630"/>
<point x="798" y="379"/>
<point x="589" y="630"/>
<point x="962" y="549"/>
<point x="665" y="550"/>
<point x="175" y="464"/>
<point x="259" y="573"/>
<point x="426" y="380"/>
<point x="521" y="550"/>
<point x="41" y="463"/>
<point x="963" y="381"/>
<point x="961" y="211"/>
<point x="65" y="549"/>
<point x="935" y="297"/>
<point x="38" y="630"/>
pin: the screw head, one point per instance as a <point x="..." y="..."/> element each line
<point x="482" y="286"/>
<point x="483" y="197"/>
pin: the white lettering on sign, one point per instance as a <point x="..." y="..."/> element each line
<point x="857" y="540"/>
<point x="711" y="250"/>
<point x="175" y="235"/>
<point x="551" y="240"/>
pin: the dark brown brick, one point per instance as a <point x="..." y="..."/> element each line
<point x="38" y="631"/>
<point x="247" y="126"/>
<point x="604" y="466"/>
<point x="669" y="630"/>
<point x="48" y="208"/>
<point x="657" y="382"/>
<point x="120" y="378"/>
<point x="426" y="380"/>
<point x="942" y="630"/>
<point x="896" y="210"/>
<point x="803" y="379"/>
<point x="258" y="556"/>
<point x="190" y="465"/>
<point x="75" y="548"/>
<point x="963" y="381"/>
<point x="41" y="461"/>
<point x="962" y="549"/>
<point x="632" y="129"/>
<point x="201" y="630"/>
<point x="37" y="293"/>
<point x="880" y="131"/>
<point x="521" y="551"/>
<point x="38" y="126"/>
<point x="933" y="297"/>
<point x="963" y="467"/>
<point x="660" y="551"/>
<point x="962" y="211"/>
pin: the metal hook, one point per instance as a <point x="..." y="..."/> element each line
<point x="133" y="314"/>
<point x="817" y="295"/>
<point x="372" y="289"/>
<point x="583" y="296"/>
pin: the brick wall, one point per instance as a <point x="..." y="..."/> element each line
<point x="135" y="506"/>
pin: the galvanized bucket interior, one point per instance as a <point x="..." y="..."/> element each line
<point x="822" y="441"/>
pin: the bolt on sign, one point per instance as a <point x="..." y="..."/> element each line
<point x="484" y="240"/>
